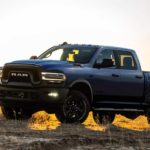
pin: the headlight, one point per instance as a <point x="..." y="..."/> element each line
<point x="53" y="77"/>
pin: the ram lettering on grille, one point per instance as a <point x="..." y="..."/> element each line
<point x="19" y="74"/>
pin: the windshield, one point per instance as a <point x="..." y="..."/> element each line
<point x="77" y="55"/>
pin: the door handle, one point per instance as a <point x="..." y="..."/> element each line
<point x="138" y="77"/>
<point x="115" y="75"/>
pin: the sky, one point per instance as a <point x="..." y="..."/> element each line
<point x="29" y="27"/>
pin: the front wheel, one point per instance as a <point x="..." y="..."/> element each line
<point x="75" y="108"/>
<point x="102" y="118"/>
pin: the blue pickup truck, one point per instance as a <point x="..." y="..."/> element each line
<point x="71" y="80"/>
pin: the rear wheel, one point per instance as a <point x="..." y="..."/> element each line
<point x="147" y="114"/>
<point x="148" y="119"/>
<point x="102" y="118"/>
<point x="75" y="108"/>
<point x="131" y="115"/>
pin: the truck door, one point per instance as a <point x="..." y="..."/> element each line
<point x="106" y="79"/>
<point x="131" y="79"/>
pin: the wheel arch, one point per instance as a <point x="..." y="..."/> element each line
<point x="83" y="86"/>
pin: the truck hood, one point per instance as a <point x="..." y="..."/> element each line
<point x="45" y="64"/>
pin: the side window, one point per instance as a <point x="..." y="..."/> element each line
<point x="125" y="60"/>
<point x="106" y="54"/>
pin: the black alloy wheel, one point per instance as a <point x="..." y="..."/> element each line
<point x="75" y="108"/>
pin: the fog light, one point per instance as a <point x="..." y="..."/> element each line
<point x="53" y="94"/>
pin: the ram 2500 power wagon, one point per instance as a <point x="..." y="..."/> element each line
<point x="72" y="80"/>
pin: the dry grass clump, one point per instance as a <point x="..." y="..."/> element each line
<point x="44" y="121"/>
<point x="138" y="124"/>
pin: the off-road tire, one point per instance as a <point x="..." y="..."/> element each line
<point x="131" y="115"/>
<point x="147" y="114"/>
<point x="75" y="108"/>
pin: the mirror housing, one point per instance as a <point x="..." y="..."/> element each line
<point x="105" y="63"/>
<point x="33" y="57"/>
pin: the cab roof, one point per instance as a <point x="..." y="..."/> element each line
<point x="95" y="46"/>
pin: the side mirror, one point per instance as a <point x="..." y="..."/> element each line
<point x="104" y="64"/>
<point x="33" y="57"/>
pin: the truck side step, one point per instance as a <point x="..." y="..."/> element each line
<point x="118" y="110"/>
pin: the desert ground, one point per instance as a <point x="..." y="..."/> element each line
<point x="44" y="131"/>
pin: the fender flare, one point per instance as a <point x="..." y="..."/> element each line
<point x="85" y="82"/>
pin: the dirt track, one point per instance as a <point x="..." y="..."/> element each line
<point x="49" y="134"/>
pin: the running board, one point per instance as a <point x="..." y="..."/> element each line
<point x="118" y="110"/>
<point x="122" y="103"/>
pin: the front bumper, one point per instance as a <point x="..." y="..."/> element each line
<point x="49" y="99"/>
